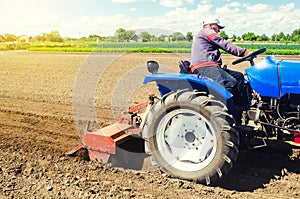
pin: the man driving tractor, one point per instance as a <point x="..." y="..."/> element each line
<point x="206" y="58"/>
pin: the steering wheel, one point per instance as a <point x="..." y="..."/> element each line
<point x="249" y="57"/>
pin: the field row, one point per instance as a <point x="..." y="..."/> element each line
<point x="143" y="47"/>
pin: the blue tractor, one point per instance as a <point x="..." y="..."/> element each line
<point x="191" y="132"/>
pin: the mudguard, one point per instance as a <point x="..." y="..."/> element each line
<point x="168" y="82"/>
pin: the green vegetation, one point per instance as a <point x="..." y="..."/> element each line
<point x="128" y="41"/>
<point x="142" y="47"/>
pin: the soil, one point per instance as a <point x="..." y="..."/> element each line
<point x="45" y="95"/>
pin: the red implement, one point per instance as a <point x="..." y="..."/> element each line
<point x="102" y="143"/>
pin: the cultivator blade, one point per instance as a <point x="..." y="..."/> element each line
<point x="103" y="142"/>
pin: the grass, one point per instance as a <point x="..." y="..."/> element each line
<point x="142" y="47"/>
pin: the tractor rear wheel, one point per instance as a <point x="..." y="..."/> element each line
<point x="190" y="136"/>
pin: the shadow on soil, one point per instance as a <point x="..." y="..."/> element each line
<point x="130" y="155"/>
<point x="253" y="169"/>
<point x="257" y="167"/>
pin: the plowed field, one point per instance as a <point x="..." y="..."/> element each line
<point x="43" y="96"/>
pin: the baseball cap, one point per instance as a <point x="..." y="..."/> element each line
<point x="213" y="21"/>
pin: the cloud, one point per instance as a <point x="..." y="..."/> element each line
<point x="170" y="3"/>
<point x="287" y="8"/>
<point x="190" y="1"/>
<point x="239" y="18"/>
<point x="259" y="18"/>
<point x="132" y="9"/>
<point x="234" y="4"/>
<point x="204" y="2"/>
<point x="175" y="3"/>
<point x="126" y="1"/>
<point x="258" y="8"/>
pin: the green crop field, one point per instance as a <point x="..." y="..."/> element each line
<point x="147" y="47"/>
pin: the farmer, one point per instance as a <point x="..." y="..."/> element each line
<point x="206" y="58"/>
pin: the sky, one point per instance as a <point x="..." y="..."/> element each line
<point x="81" y="18"/>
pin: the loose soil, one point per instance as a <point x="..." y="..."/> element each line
<point x="43" y="97"/>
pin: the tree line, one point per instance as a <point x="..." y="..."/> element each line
<point x="127" y="35"/>
<point x="122" y="35"/>
<point x="53" y="36"/>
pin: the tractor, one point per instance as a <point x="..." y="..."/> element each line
<point x="190" y="131"/>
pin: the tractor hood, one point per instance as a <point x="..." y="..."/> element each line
<point x="273" y="78"/>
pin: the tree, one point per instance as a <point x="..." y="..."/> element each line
<point x="178" y="36"/>
<point x="296" y="35"/>
<point x="223" y="34"/>
<point x="130" y="35"/>
<point x="2" y="38"/>
<point x="122" y="35"/>
<point x="274" y="37"/>
<point x="234" y="38"/>
<point x="288" y="37"/>
<point x="189" y="36"/>
<point x="54" y="36"/>
<point x="250" y="36"/>
<point x="281" y="36"/>
<point x="264" y="37"/>
<point x="40" y="38"/>
<point x="162" y="37"/>
<point x="10" y="37"/>
<point x="145" y="36"/>
<point x="95" y="38"/>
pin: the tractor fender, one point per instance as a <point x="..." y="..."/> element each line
<point x="168" y="82"/>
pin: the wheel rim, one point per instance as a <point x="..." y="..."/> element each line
<point x="186" y="140"/>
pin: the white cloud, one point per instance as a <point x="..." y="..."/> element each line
<point x="287" y="8"/>
<point x="234" y="4"/>
<point x="238" y="18"/>
<point x="230" y="8"/>
<point x="175" y="3"/>
<point x="170" y="3"/>
<point x="132" y="9"/>
<point x="126" y="1"/>
<point x="205" y="2"/>
<point x="100" y="25"/>
<point x="258" y="8"/>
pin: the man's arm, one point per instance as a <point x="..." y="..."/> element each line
<point x="225" y="45"/>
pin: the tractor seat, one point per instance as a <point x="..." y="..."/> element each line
<point x="184" y="67"/>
